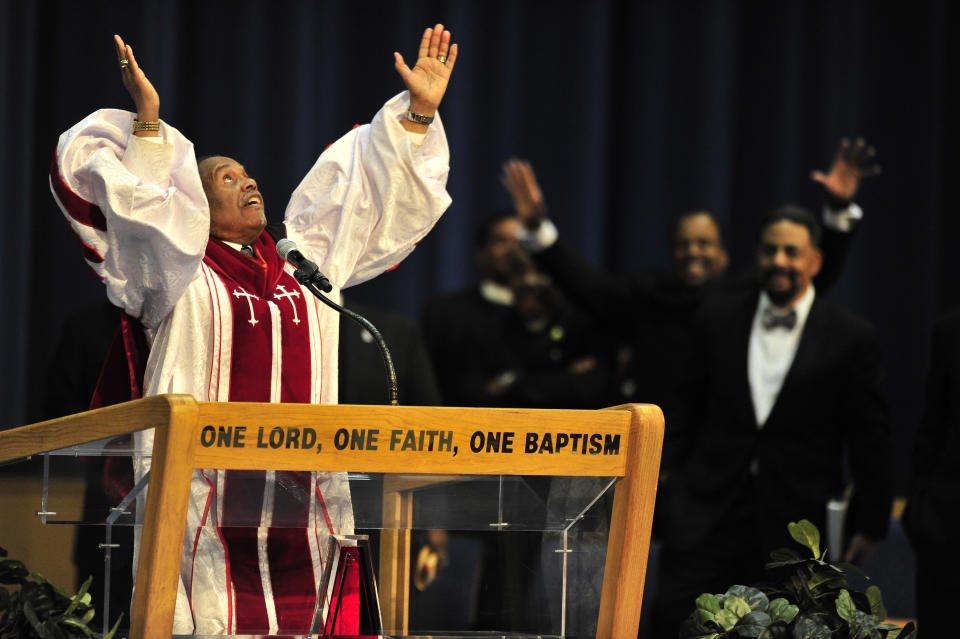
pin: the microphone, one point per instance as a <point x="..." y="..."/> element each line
<point x="307" y="272"/>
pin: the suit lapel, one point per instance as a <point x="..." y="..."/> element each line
<point x="738" y="349"/>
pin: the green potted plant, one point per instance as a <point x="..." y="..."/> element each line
<point x="39" y="609"/>
<point x="805" y="598"/>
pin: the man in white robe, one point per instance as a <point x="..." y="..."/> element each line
<point x="182" y="249"/>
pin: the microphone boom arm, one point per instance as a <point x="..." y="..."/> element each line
<point x="307" y="279"/>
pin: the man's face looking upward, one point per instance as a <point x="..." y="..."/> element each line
<point x="698" y="253"/>
<point x="236" y="206"/>
<point x="788" y="261"/>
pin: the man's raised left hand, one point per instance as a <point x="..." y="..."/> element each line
<point x="427" y="80"/>
<point x="851" y="165"/>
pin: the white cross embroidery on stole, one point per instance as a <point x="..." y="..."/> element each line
<point x="242" y="293"/>
<point x="289" y="295"/>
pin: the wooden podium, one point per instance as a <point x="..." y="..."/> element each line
<point x="623" y="442"/>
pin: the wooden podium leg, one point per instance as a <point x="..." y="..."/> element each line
<point x="629" y="541"/>
<point x="158" y="572"/>
<point x="394" y="587"/>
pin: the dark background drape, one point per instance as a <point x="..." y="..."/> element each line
<point x="629" y="111"/>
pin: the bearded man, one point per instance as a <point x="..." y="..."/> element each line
<point x="783" y="394"/>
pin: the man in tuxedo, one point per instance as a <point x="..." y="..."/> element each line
<point x="782" y="386"/>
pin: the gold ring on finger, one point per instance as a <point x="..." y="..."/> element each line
<point x="124" y="63"/>
<point x="441" y="59"/>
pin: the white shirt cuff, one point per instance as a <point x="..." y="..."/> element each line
<point x="540" y="240"/>
<point x="842" y="220"/>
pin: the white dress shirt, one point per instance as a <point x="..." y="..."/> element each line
<point x="771" y="352"/>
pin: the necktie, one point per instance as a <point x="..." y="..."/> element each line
<point x="772" y="320"/>
<point x="247" y="250"/>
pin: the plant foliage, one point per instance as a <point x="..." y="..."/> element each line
<point x="37" y="609"/>
<point x="806" y="598"/>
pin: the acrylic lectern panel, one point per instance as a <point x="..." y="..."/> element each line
<point x="528" y="523"/>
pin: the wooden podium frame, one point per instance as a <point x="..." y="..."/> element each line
<point x="625" y="442"/>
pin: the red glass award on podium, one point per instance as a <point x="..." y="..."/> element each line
<point x="348" y="606"/>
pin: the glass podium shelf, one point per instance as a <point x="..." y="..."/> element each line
<point x="487" y="552"/>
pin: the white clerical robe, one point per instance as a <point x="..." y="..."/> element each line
<point x="141" y="216"/>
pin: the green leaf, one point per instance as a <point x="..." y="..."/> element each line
<point x="855" y="569"/>
<point x="13" y="572"/>
<point x="753" y="596"/>
<point x="88" y="616"/>
<point x="53" y="630"/>
<point x="727" y="619"/>
<point x="57" y="589"/>
<point x="31" y="616"/>
<point x="782" y="610"/>
<point x="807" y="627"/>
<point x="753" y="624"/>
<point x="702" y="616"/>
<point x="737" y="605"/>
<point x="863" y="625"/>
<point x="784" y="557"/>
<point x="776" y="630"/>
<point x="892" y="631"/>
<point x="806" y="534"/>
<point x="80" y="626"/>
<point x="78" y="598"/>
<point x="785" y="554"/>
<point x="845" y="607"/>
<point x="113" y="630"/>
<point x="875" y="598"/>
<point x="708" y="602"/>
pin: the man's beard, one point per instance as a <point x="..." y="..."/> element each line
<point x="780" y="297"/>
<point x="708" y="270"/>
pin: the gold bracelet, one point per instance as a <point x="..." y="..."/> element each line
<point x="145" y="126"/>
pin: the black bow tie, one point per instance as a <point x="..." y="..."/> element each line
<point x="772" y="320"/>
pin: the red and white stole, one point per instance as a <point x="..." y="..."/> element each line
<point x="269" y="362"/>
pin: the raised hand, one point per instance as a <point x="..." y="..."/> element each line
<point x="144" y="96"/>
<point x="427" y="80"/>
<point x="518" y="178"/>
<point x="853" y="163"/>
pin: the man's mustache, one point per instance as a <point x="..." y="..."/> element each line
<point x="769" y="273"/>
<point x="703" y="261"/>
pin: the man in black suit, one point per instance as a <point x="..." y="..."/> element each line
<point x="932" y="518"/>
<point x="783" y="385"/>
<point x="512" y="340"/>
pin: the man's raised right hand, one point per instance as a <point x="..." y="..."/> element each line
<point x="521" y="183"/>
<point x="144" y="96"/>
